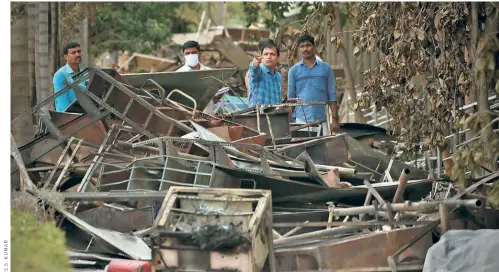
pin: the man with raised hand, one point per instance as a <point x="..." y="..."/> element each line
<point x="265" y="81"/>
<point x="312" y="80"/>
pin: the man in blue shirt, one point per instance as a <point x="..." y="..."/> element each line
<point x="312" y="80"/>
<point x="64" y="76"/>
<point x="265" y="81"/>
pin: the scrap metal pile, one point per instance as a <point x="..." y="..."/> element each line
<point x="144" y="174"/>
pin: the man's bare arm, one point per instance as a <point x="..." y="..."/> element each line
<point x="334" y="110"/>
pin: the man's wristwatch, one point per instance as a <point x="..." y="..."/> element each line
<point x="335" y="116"/>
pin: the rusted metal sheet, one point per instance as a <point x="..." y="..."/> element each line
<point x="48" y="142"/>
<point x="330" y="150"/>
<point x="111" y="241"/>
<point x="259" y="140"/>
<point x="361" y="251"/>
<point x="127" y="105"/>
<point x="415" y="191"/>
<point x="288" y="190"/>
<point x="280" y="187"/>
<point x="371" y="158"/>
<point x="115" y="220"/>
<point x="474" y="219"/>
<point x="229" y="134"/>
<point x="199" y="84"/>
<point x="279" y="123"/>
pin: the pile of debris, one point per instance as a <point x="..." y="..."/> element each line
<point x="146" y="174"/>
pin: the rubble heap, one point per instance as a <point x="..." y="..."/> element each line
<point x="146" y="173"/>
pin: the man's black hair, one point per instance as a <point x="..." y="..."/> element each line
<point x="190" y="44"/>
<point x="304" y="38"/>
<point x="267" y="43"/>
<point x="69" y="46"/>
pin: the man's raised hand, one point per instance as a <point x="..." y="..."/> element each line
<point x="257" y="60"/>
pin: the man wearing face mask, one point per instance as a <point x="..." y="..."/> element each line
<point x="264" y="80"/>
<point x="191" y="50"/>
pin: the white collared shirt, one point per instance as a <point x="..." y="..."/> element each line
<point x="187" y="68"/>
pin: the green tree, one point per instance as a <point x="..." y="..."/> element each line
<point x="138" y="26"/>
<point x="272" y="14"/>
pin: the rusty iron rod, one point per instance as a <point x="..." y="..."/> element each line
<point x="374" y="192"/>
<point x="293" y="231"/>
<point x="409" y="206"/>
<point x="341" y="224"/>
<point x="306" y="125"/>
<point x="276" y="235"/>
<point x="403" y="179"/>
<point x="318" y="234"/>
<point x="369" y="197"/>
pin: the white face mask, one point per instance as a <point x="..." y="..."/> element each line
<point x="192" y="60"/>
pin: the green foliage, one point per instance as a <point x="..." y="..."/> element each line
<point x="271" y="14"/>
<point x="493" y="195"/>
<point x="483" y="151"/>
<point x="235" y="15"/>
<point x="140" y="26"/>
<point x="37" y="245"/>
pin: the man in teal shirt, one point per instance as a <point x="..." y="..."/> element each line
<point x="64" y="76"/>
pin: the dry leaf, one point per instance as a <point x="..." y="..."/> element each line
<point x="466" y="55"/>
<point x="356" y="51"/>
<point x="420" y="34"/>
<point x="396" y="34"/>
<point x="354" y="11"/>
<point x="438" y="36"/>
<point x="462" y="79"/>
<point x="437" y="19"/>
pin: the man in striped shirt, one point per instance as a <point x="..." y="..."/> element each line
<point x="265" y="81"/>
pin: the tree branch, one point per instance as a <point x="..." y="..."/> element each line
<point x="359" y="116"/>
<point x="474" y="31"/>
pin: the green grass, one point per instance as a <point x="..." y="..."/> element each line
<point x="37" y="244"/>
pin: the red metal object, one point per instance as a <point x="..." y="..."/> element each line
<point x="129" y="266"/>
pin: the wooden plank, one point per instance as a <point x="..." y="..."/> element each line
<point x="167" y="204"/>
